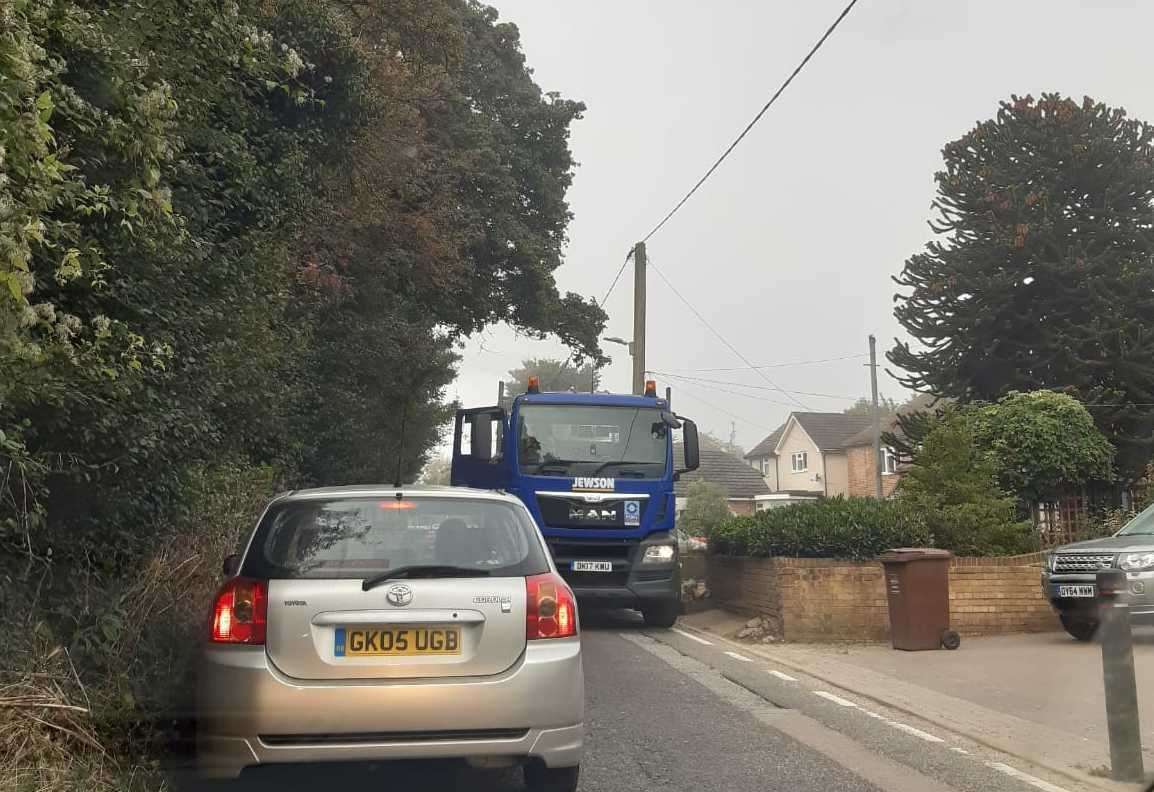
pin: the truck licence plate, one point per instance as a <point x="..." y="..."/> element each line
<point x="592" y="566"/>
<point x="1075" y="591"/>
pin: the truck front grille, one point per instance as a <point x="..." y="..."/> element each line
<point x="1082" y="562"/>
<point x="576" y="512"/>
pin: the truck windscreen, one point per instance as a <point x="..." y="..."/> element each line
<point x="578" y="440"/>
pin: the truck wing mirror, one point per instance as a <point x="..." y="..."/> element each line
<point x="481" y="440"/>
<point x="691" y="446"/>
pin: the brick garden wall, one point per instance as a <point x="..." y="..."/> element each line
<point x="991" y="596"/>
<point x="828" y="600"/>
<point x="823" y="599"/>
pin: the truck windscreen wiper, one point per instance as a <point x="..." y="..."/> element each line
<point x="423" y="570"/>
<point x="558" y="465"/>
<point x="604" y="465"/>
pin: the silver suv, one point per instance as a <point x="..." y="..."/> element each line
<point x="376" y="623"/>
<point x="1068" y="579"/>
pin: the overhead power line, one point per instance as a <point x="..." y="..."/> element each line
<point x="757" y="397"/>
<point x="617" y="277"/>
<point x="691" y="394"/>
<point x="756" y="118"/>
<point x="722" y="338"/>
<point x="706" y="381"/>
<point x="856" y="356"/>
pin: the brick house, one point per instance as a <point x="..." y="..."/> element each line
<point x="742" y="483"/>
<point x="825" y="454"/>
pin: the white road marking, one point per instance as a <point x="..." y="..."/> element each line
<point x="692" y="637"/>
<point x="741" y="657"/>
<point x="835" y="699"/>
<point x="956" y="749"/>
<point x="1014" y="772"/>
<point x="915" y="732"/>
<point x="874" y="715"/>
<point x="780" y="675"/>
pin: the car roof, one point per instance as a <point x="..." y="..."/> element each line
<point x="388" y="490"/>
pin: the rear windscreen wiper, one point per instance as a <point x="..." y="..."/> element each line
<point x="423" y="570"/>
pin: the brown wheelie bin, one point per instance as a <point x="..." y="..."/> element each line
<point x="918" y="589"/>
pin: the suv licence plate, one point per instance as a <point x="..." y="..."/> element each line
<point x="1075" y="591"/>
<point x="592" y="566"/>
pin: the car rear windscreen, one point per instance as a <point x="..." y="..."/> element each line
<point x="359" y="537"/>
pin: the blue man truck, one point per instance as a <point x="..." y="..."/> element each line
<point x="596" y="470"/>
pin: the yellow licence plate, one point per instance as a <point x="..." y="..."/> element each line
<point x="391" y="641"/>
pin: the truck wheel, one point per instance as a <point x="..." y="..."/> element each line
<point x="661" y="614"/>
<point x="1084" y="628"/>
<point x="951" y="640"/>
<point x="539" y="778"/>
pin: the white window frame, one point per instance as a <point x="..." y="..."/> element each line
<point x="803" y="457"/>
<point x="764" y="466"/>
<point x="889" y="461"/>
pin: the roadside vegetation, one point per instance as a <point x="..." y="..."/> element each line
<point x="975" y="472"/>
<point x="848" y="528"/>
<point x="238" y="244"/>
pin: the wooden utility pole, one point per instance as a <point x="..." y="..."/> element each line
<point x="638" y="349"/>
<point x="877" y="418"/>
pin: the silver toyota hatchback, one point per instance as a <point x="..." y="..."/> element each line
<point x="376" y="623"/>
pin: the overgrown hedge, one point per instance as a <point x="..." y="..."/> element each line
<point x="850" y="528"/>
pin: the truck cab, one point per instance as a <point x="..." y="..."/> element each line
<point x="596" y="472"/>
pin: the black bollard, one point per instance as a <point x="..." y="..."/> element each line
<point x="1118" y="674"/>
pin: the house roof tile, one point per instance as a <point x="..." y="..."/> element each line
<point x="718" y="466"/>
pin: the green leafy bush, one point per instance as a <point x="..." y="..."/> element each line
<point x="849" y="528"/>
<point x="953" y="483"/>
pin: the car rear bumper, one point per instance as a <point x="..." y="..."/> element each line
<point x="250" y="714"/>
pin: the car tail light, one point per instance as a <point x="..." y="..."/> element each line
<point x="240" y="612"/>
<point x="551" y="610"/>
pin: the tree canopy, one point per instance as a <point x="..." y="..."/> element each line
<point x="865" y="406"/>
<point x="257" y="230"/>
<point x="1043" y="277"/>
<point x="1042" y="443"/>
<point x="706" y="508"/>
<point x="556" y="375"/>
<point x="953" y="483"/>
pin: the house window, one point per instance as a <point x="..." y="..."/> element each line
<point x="765" y="466"/>
<point x="889" y="462"/>
<point x="800" y="461"/>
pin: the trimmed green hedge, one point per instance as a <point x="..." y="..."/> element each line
<point x="849" y="528"/>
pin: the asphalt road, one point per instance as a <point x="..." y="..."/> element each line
<point x="670" y="711"/>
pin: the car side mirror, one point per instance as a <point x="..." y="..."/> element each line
<point x="691" y="444"/>
<point x="231" y="565"/>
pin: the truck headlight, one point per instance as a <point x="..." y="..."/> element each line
<point x="1132" y="562"/>
<point x="659" y="554"/>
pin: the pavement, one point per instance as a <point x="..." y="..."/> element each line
<point x="686" y="709"/>
<point x="1036" y="697"/>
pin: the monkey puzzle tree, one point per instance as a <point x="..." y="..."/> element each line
<point x="1043" y="277"/>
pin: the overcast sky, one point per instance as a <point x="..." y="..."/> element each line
<point x="788" y="250"/>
